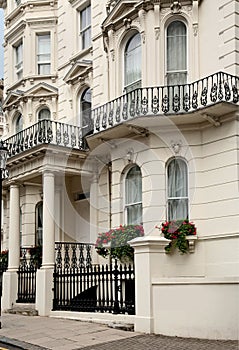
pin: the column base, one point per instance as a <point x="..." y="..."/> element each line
<point x="44" y="292"/>
<point x="9" y="289"/>
<point x="144" y="324"/>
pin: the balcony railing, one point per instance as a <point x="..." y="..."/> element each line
<point x="167" y="100"/>
<point x="47" y="132"/>
<point x="149" y="101"/>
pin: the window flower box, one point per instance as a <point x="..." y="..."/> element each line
<point x="181" y="233"/>
<point x="114" y="243"/>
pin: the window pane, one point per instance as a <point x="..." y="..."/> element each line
<point x="133" y="196"/>
<point x="177" y="176"/>
<point x="44" y="69"/>
<point x="133" y="186"/>
<point x="177" y="179"/>
<point x="85" y="27"/>
<point x="39" y="223"/>
<point x="85" y="108"/>
<point x="44" y="114"/>
<point x="178" y="209"/>
<point x="19" y="60"/>
<point x="44" y="44"/>
<point x="134" y="214"/>
<point x="44" y="53"/>
<point x="133" y="60"/>
<point x="176" y="53"/>
<point x="19" y="124"/>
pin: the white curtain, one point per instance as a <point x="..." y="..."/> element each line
<point x="176" y="53"/>
<point x="39" y="224"/>
<point x="177" y="174"/>
<point x="133" y="60"/>
<point x="44" y="114"/>
<point x="19" y="123"/>
<point x="44" y="53"/>
<point x="85" y="108"/>
<point x="133" y="196"/>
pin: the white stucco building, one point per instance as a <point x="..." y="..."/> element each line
<point x="121" y="112"/>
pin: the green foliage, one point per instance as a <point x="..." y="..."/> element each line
<point x="4" y="260"/>
<point x="36" y="255"/>
<point x="177" y="231"/>
<point x="116" y="242"/>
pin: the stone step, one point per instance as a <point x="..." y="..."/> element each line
<point x="23" y="309"/>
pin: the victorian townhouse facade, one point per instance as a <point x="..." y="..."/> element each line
<point x="124" y="112"/>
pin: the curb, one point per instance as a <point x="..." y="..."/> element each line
<point x="20" y="344"/>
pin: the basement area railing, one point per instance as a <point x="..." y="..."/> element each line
<point x="80" y="285"/>
<point x="167" y="100"/>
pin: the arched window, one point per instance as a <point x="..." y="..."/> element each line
<point x="176" y="53"/>
<point x="44" y="113"/>
<point x="177" y="191"/>
<point x="133" y="196"/>
<point x="19" y="123"/>
<point x="132" y="63"/>
<point x="85" y="109"/>
<point x="39" y="223"/>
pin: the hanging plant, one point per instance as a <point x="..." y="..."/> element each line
<point x="177" y="231"/>
<point x="114" y="242"/>
<point x="3" y="260"/>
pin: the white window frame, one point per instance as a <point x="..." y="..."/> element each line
<point x="19" y="123"/>
<point x="132" y="204"/>
<point x="41" y="60"/>
<point x="137" y="83"/>
<point x="18" y="48"/>
<point x="80" y="109"/>
<point x="86" y="29"/>
<point x="167" y="71"/>
<point x="177" y="198"/>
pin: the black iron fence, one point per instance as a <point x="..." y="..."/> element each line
<point x="29" y="263"/>
<point x="161" y="100"/>
<point x="48" y="132"/>
<point x="81" y="286"/>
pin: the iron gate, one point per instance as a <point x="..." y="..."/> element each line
<point x="29" y="263"/>
<point x="80" y="285"/>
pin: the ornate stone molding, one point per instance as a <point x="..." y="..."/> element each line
<point x="157" y="32"/>
<point x="176" y="7"/>
<point x="195" y="29"/>
<point x="127" y="23"/>
<point x="176" y="146"/>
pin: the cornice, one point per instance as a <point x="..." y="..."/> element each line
<point x="15" y="31"/>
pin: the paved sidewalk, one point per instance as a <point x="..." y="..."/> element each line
<point x="38" y="333"/>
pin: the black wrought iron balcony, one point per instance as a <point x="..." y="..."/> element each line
<point x="167" y="100"/>
<point x="48" y="132"/>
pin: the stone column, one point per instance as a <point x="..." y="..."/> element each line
<point x="147" y="252"/>
<point x="94" y="208"/>
<point x="44" y="283"/>
<point x="48" y="253"/>
<point x="10" y="276"/>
